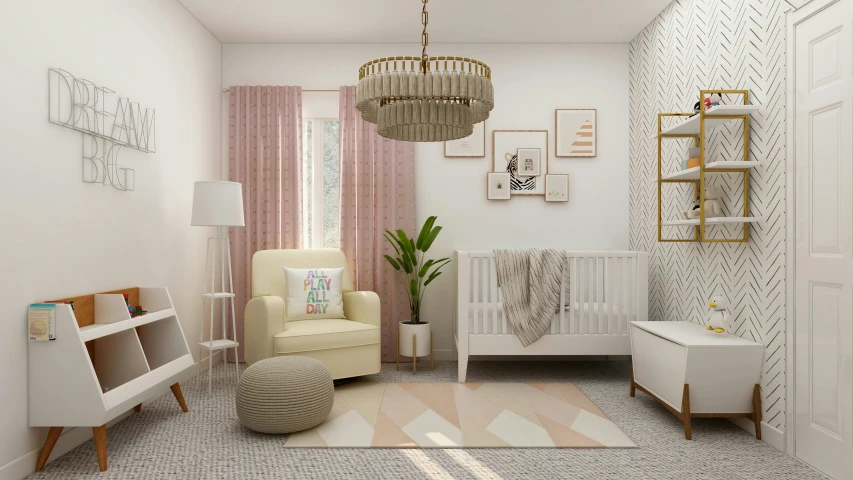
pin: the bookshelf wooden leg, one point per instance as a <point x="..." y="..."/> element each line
<point x="685" y="413"/>
<point x="138" y="408"/>
<point x="756" y="410"/>
<point x="49" y="443"/>
<point x="179" y="396"/>
<point x="100" y="434"/>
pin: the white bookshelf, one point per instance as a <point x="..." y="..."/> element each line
<point x="90" y="375"/>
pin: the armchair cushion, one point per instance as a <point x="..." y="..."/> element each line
<point x="313" y="294"/>
<point x="267" y="278"/>
<point x="312" y="335"/>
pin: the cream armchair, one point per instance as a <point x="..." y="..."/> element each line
<point x="349" y="347"/>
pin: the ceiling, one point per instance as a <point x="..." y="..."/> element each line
<point x="450" y="21"/>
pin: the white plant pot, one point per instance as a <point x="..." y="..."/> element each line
<point x="408" y="331"/>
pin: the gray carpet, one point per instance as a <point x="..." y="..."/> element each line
<point x="209" y="442"/>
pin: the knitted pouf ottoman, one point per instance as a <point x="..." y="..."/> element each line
<point x="284" y="395"/>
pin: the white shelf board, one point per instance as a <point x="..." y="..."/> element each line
<point x="690" y="126"/>
<point x="693" y="173"/>
<point x="219" y="344"/>
<point x="218" y="295"/>
<point x="129" y="394"/>
<point x="91" y="332"/>
<point x="710" y="221"/>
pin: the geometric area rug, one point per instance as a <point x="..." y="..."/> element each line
<point x="462" y="415"/>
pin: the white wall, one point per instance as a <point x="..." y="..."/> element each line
<point x="61" y="237"/>
<point x="531" y="80"/>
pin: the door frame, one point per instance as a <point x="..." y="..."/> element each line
<point x="794" y="18"/>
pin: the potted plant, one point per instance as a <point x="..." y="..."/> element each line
<point x="417" y="273"/>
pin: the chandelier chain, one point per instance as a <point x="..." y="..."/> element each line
<point x="424" y="36"/>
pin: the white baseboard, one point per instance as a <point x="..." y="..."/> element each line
<point x="771" y="435"/>
<point x="71" y="438"/>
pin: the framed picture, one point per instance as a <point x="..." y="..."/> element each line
<point x="557" y="188"/>
<point x="473" y="146"/>
<point x="576" y="132"/>
<point x="505" y="149"/>
<point x="528" y="162"/>
<point x="497" y="186"/>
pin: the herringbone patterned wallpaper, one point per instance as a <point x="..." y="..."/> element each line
<point x="725" y="44"/>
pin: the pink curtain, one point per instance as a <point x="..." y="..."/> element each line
<point x="377" y="194"/>
<point x="265" y="155"/>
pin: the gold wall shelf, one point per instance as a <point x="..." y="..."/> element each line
<point x="695" y="127"/>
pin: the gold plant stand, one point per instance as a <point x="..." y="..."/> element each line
<point x="415" y="352"/>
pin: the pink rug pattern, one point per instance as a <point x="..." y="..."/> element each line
<point x="462" y="415"/>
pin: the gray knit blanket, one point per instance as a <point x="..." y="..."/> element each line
<point x="530" y="282"/>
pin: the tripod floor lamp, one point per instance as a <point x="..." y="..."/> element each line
<point x="218" y="204"/>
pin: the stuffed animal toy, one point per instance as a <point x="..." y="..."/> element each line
<point x="720" y="318"/>
<point x="716" y="99"/>
<point x="713" y="205"/>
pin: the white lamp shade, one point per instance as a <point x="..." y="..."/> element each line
<point x="218" y="204"/>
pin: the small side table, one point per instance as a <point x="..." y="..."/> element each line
<point x="697" y="373"/>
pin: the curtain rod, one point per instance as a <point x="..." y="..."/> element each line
<point x="226" y="90"/>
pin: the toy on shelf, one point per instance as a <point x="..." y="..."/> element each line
<point x="692" y="158"/>
<point x="133" y="311"/>
<point x="720" y="319"/>
<point x="713" y="206"/>
<point x="716" y="99"/>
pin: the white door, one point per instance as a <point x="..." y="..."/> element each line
<point x="823" y="324"/>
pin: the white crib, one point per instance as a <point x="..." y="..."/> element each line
<point x="602" y="292"/>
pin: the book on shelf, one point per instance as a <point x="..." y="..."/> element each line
<point x="41" y="322"/>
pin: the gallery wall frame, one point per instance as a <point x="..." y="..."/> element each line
<point x="576" y="131"/>
<point x="497" y="186"/>
<point x="505" y="145"/>
<point x="472" y="146"/>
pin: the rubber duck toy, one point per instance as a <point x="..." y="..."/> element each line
<point x="720" y="315"/>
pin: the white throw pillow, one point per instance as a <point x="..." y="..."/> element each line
<point x="314" y="293"/>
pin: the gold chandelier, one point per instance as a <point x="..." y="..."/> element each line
<point x="433" y="102"/>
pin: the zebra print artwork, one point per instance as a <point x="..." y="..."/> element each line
<point x="505" y="159"/>
<point x="516" y="183"/>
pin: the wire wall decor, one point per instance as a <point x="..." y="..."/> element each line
<point x="108" y="125"/>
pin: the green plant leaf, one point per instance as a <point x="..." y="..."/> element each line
<point x="413" y="287"/>
<point x="425" y="268"/>
<point x="439" y="263"/>
<point x="431" y="278"/>
<point x="407" y="266"/>
<point x="392" y="241"/>
<point x="403" y="237"/>
<point x="430" y="238"/>
<point x="393" y="262"/>
<point x="425" y="231"/>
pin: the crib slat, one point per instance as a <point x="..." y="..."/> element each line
<point x="580" y="283"/>
<point x="611" y="277"/>
<point x="590" y="293"/>
<point x="627" y="296"/>
<point x="573" y="317"/>
<point x="599" y="294"/>
<point x="619" y="284"/>
<point x="493" y="295"/>
<point x="562" y="305"/>
<point x="505" y="328"/>
<point x="475" y="289"/>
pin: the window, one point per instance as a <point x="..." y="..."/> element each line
<point x="320" y="184"/>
